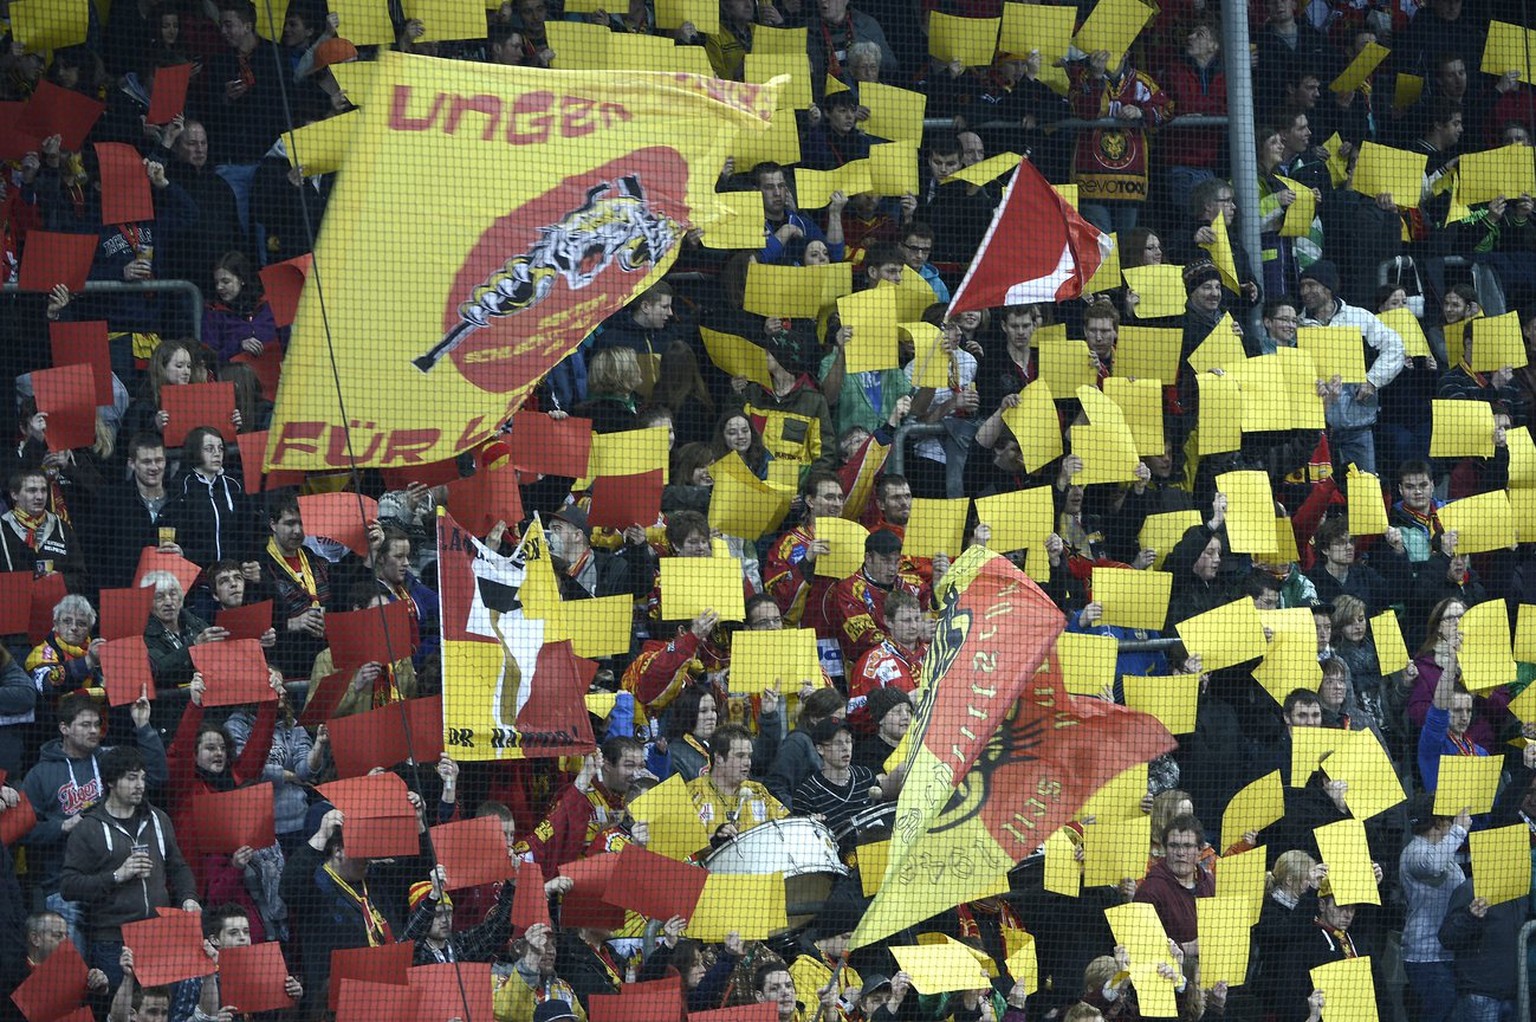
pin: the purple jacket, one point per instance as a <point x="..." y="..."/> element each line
<point x="224" y="328"/>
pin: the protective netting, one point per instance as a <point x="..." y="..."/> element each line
<point x="770" y="512"/>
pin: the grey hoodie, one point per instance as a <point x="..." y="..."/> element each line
<point x="102" y="843"/>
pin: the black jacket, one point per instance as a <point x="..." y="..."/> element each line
<point x="214" y="519"/>
<point x="99" y="845"/>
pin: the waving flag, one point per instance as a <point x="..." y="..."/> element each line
<point x="1038" y="249"/>
<point x="999" y="755"/>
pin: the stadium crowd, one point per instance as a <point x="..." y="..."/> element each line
<point x="114" y="789"/>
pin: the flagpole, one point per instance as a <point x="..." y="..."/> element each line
<point x="1240" y="132"/>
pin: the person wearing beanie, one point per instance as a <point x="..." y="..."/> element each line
<point x="890" y="710"/>
<point x="1351" y="408"/>
<point x="853" y="610"/>
<point x="430" y="923"/>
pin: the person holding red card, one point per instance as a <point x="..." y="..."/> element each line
<point x="226" y="927"/>
<point x="172" y="631"/>
<point x="68" y="660"/>
<point x="174" y="363"/>
<point x="238" y="320"/>
<point x="36" y="539"/>
<point x="75" y="470"/>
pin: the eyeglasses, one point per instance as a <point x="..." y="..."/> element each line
<point x="917" y="249"/>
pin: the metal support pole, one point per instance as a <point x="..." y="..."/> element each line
<point x="1240" y="140"/>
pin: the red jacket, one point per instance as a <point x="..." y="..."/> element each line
<point x="1194" y="91"/>
<point x="1174" y="902"/>
<point x="853" y="611"/>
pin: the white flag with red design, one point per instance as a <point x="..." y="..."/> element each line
<point x="1038" y="249"/>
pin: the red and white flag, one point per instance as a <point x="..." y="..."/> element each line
<point x="1038" y="249"/>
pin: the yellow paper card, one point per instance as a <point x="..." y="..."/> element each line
<point x="1367" y="513"/>
<point x="1301" y="397"/>
<point x="1087" y="662"/>
<point x="1348" y="988"/>
<point x="363" y="22"/>
<point x="1525" y="634"/>
<point x="1160" y="289"/>
<point x="1108" y="275"/>
<point x="796" y="93"/>
<point x="736" y="356"/>
<point x="602" y="627"/>
<point x="1406" y="90"/>
<point x="692" y="585"/>
<point x="631" y="452"/>
<point x="913" y="295"/>
<point x="1335" y="351"/>
<point x="766" y="39"/>
<point x="1161" y="532"/>
<point x="873" y="859"/>
<point x="1019" y="519"/>
<point x="1250" y="511"/>
<point x="1344" y="848"/>
<point x="578" y="46"/>
<point x="1300" y="213"/>
<point x="799" y="292"/>
<point x="1241" y="878"/>
<point x="1482" y="522"/>
<point x="1173" y="699"/>
<point x="668" y="809"/>
<point x="1505" y="171"/>
<point x="45" y="25"/>
<point x="1461" y="429"/>
<point x="895" y="114"/>
<point x="847" y="542"/>
<point x="1035" y="425"/>
<point x="447" y="20"/>
<point x="1116" y="849"/>
<point x="1338" y="166"/>
<point x="872" y="316"/>
<point x="1487" y="660"/>
<point x="1406" y="324"/>
<point x="1359" y="69"/>
<point x="738" y="223"/>
<point x="1222" y="925"/>
<point x="930" y="365"/>
<point x="1228" y="635"/>
<point x="1040" y="27"/>
<point x="893" y="168"/>
<point x="1496" y="341"/>
<point x="1066" y="366"/>
<point x="1221" y="414"/>
<point x="779" y="144"/>
<point x="1113" y="25"/>
<point x="1501" y="863"/>
<point x="1507" y="49"/>
<point x="1364" y="765"/>
<point x="1131" y="598"/>
<point x="1384" y="170"/>
<point x="1148" y="353"/>
<point x="1141" y="403"/>
<point x="1063" y="873"/>
<point x="1221" y="254"/>
<point x="1285" y="545"/>
<point x="1021" y="963"/>
<point x="1265" y="390"/>
<point x="1221" y="349"/>
<point x="936" y="526"/>
<point x="1138" y="928"/>
<point x="1108" y="453"/>
<point x="988" y="170"/>
<point x="1522" y="458"/>
<point x="1254" y="808"/>
<point x="971" y="41"/>
<point x="600" y="704"/>
<point x="814" y="188"/>
<point x="1119" y="798"/>
<point x="745" y="903"/>
<point x="320" y="147"/>
<point x="1391" y="651"/>
<point x="938" y="968"/>
<point x="741" y="504"/>
<point x="1467" y="782"/>
<point x="704" y="15"/>
<point x="777" y="660"/>
<point x="354" y="76"/>
<point x="1068" y="192"/>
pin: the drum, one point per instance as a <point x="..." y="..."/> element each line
<point x="800" y="848"/>
<point x="866" y="826"/>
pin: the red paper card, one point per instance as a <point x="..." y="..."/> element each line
<point x="379" y="635"/>
<point x="473" y="852"/>
<point x="17" y="822"/>
<point x="253" y="448"/>
<point x="235" y="672"/>
<point x="168" y="948"/>
<point x="322" y="698"/>
<point x="379" y="738"/>
<point x="359" y="1001"/>
<point x="530" y="905"/>
<point x="15" y="141"/>
<point x="425" y="716"/>
<point x="51" y="258"/>
<point x="54" y="110"/>
<point x="47" y="591"/>
<point x="485" y="498"/>
<point x="283" y="283"/>
<point x="766" y="1011"/>
<point x="67" y="395"/>
<point x="621" y="501"/>
<point x="167" y="99"/>
<point x="375" y="795"/>
<point x="267" y="367"/>
<point x="341" y="517"/>
<point x="432" y="474"/>
<point x="227" y="820"/>
<point x="387" y="965"/>
<point x="154" y="559"/>
<point x="583" y="905"/>
<point x="556" y="447"/>
<point x="249" y="621"/>
<point x="653" y="885"/>
<point x="16" y="602"/>
<point x="124" y="612"/>
<point x="253" y="978"/>
<point x="459" y="990"/>
<point x="125" y="197"/>
<point x="56" y="987"/>
<point x="125" y="671"/>
<point x="657" y="1000"/>
<point x="381" y="837"/>
<point x="85" y="344"/>
<point x="198" y="404"/>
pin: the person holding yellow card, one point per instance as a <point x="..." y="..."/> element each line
<point x="1446" y="723"/>
<point x="1462" y="381"/>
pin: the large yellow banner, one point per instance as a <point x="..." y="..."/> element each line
<point x="485" y="219"/>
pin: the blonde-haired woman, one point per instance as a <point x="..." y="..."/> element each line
<point x="613" y="384"/>
<point x="1290" y="905"/>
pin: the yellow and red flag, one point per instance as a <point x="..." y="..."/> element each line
<point x="485" y="220"/>
<point x="999" y="755"/>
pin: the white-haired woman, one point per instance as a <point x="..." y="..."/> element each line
<point x="173" y="630"/>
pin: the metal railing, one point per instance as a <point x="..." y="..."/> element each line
<point x="1077" y="124"/>
<point x="192" y="293"/>
<point x="896" y="461"/>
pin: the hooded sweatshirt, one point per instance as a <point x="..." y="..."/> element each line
<point x="212" y="517"/>
<point x="101" y="844"/>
